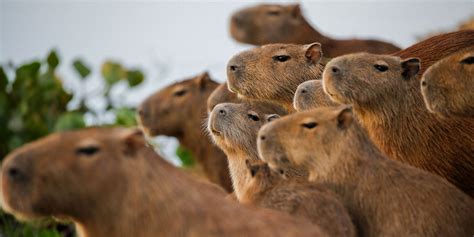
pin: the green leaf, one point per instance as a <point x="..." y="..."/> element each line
<point x="81" y="68"/>
<point x="69" y="121"/>
<point x="53" y="60"/>
<point x="135" y="77"/>
<point x="125" y="117"/>
<point x="185" y="156"/>
<point x="28" y="70"/>
<point x="3" y="80"/>
<point x="112" y="72"/>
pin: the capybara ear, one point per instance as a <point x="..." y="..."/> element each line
<point x="345" y="117"/>
<point x="252" y="167"/>
<point x="271" y="117"/>
<point x="133" y="140"/>
<point x="203" y="80"/>
<point x="313" y="52"/>
<point x="295" y="10"/>
<point x="410" y="67"/>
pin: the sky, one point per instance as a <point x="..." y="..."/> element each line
<point x="172" y="40"/>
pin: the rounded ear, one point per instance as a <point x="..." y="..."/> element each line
<point x="271" y="117"/>
<point x="203" y="79"/>
<point x="295" y="10"/>
<point x="133" y="140"/>
<point x="313" y="52"/>
<point x="410" y="67"/>
<point x="345" y="117"/>
<point x="252" y="168"/>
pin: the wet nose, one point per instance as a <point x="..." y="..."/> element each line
<point x="235" y="65"/>
<point x="238" y="19"/>
<point x="15" y="174"/>
<point x="335" y="70"/>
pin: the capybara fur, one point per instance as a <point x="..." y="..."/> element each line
<point x="310" y="95"/>
<point x="234" y="128"/>
<point x="384" y="197"/>
<point x="448" y="85"/>
<point x="268" y="189"/>
<point x="179" y="110"/>
<point x="221" y="95"/>
<point x="111" y="184"/>
<point x="272" y="23"/>
<point x="273" y="72"/>
<point x="385" y="93"/>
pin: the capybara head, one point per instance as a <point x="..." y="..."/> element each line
<point x="310" y="95"/>
<point x="67" y="174"/>
<point x="448" y="85"/>
<point x="234" y="127"/>
<point x="369" y="80"/>
<point x="273" y="72"/>
<point x="163" y="112"/>
<point x="268" y="23"/>
<point x="221" y="95"/>
<point x="299" y="137"/>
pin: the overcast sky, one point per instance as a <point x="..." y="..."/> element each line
<point x="171" y="40"/>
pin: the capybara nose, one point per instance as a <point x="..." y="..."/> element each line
<point x="238" y="19"/>
<point x="335" y="70"/>
<point x="221" y="110"/>
<point x="233" y="68"/>
<point x="262" y="137"/>
<point x="423" y="83"/>
<point x="15" y="174"/>
<point x="141" y="111"/>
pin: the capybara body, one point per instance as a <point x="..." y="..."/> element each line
<point x="448" y="85"/>
<point x="269" y="189"/>
<point x="272" y="23"/>
<point x="179" y="110"/>
<point x="385" y="93"/>
<point x="310" y="95"/>
<point x="111" y="184"/>
<point x="384" y="197"/>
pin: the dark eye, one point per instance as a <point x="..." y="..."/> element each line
<point x="281" y="58"/>
<point x="273" y="13"/>
<point x="381" y="68"/>
<point x="88" y="151"/>
<point x="253" y="117"/>
<point x="180" y="93"/>
<point x="309" y="125"/>
<point x="468" y="60"/>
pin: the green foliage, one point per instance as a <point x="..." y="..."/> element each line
<point x="81" y="68"/>
<point x="69" y="121"/>
<point x="185" y="156"/>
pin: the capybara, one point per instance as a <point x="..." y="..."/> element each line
<point x="448" y="85"/>
<point x="221" y="95"/>
<point x="179" y="110"/>
<point x="385" y="93"/>
<point x="273" y="72"/>
<point x="310" y="95"/>
<point x="272" y="23"/>
<point x="110" y="183"/>
<point x="268" y="189"/>
<point x="384" y="197"/>
<point x="234" y="128"/>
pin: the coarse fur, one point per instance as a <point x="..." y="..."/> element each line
<point x="112" y="184"/>
<point x="221" y="95"/>
<point x="179" y="110"/>
<point x="272" y="23"/>
<point x="384" y="197"/>
<point x="385" y="93"/>
<point x="268" y="189"/>
<point x="448" y="85"/>
<point x="310" y="95"/>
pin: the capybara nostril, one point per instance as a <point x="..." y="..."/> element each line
<point x="335" y="69"/>
<point x="238" y="19"/>
<point x="222" y="112"/>
<point x="13" y="173"/>
<point x="141" y="111"/>
<point x="262" y="138"/>
<point x="233" y="68"/>
<point x="423" y="83"/>
<point x="303" y="91"/>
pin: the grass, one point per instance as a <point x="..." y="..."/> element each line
<point x="9" y="227"/>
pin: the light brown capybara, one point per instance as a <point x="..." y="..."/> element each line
<point x="268" y="189"/>
<point x="448" y="85"/>
<point x="234" y="128"/>
<point x="273" y="72"/>
<point x="257" y="73"/>
<point x="384" y="197"/>
<point x="271" y="23"/>
<point x="385" y="93"/>
<point x="310" y="95"/>
<point x="111" y="184"/>
<point x="179" y="110"/>
<point x="221" y="95"/>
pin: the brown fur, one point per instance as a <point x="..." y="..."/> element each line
<point x="310" y="95"/>
<point x="448" y="85"/>
<point x="383" y="196"/>
<point x="170" y="113"/>
<point x="390" y="106"/>
<point x="269" y="24"/>
<point x="125" y="189"/>
<point x="268" y="189"/>
<point x="221" y="95"/>
<point x="257" y="73"/>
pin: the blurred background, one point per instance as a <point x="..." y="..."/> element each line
<point x="106" y="56"/>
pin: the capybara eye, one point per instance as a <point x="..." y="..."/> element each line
<point x="253" y="117"/>
<point x="281" y="58"/>
<point x="273" y="13"/>
<point x="309" y="125"/>
<point x="88" y="151"/>
<point x="381" y="68"/>
<point x="180" y="93"/>
<point x="468" y="60"/>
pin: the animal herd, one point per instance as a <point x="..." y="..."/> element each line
<point x="309" y="136"/>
